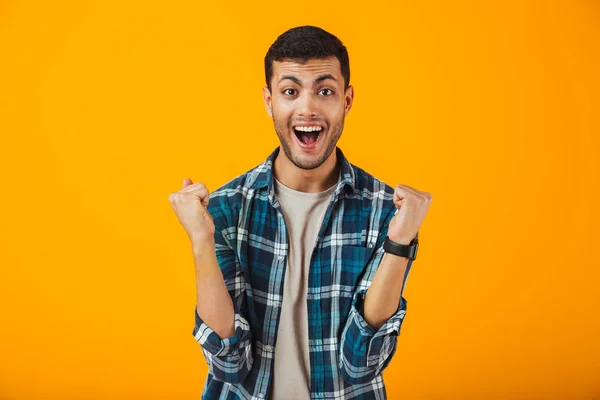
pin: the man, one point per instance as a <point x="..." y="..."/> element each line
<point x="298" y="293"/>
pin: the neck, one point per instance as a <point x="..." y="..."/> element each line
<point x="306" y="180"/>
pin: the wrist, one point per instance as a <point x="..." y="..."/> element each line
<point x="398" y="258"/>
<point x="403" y="248"/>
<point x="400" y="240"/>
<point x="203" y="245"/>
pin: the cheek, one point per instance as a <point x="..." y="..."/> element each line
<point x="336" y="113"/>
<point x="280" y="108"/>
<point x="282" y="116"/>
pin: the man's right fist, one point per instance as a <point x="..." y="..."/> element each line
<point x="190" y="207"/>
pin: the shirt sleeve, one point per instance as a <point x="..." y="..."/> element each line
<point x="229" y="359"/>
<point x="364" y="351"/>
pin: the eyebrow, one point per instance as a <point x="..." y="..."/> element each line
<point x="321" y="78"/>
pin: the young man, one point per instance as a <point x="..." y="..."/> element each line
<point x="301" y="262"/>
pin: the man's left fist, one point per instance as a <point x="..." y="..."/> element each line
<point x="412" y="207"/>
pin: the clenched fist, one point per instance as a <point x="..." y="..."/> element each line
<point x="412" y="207"/>
<point x="190" y="206"/>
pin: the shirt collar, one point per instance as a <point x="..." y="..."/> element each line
<point x="263" y="175"/>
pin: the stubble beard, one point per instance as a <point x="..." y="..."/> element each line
<point x="333" y="135"/>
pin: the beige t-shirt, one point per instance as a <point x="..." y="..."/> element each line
<point x="303" y="213"/>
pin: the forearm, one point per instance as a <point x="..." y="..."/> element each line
<point x="383" y="296"/>
<point x="213" y="303"/>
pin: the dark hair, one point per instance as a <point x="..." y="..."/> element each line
<point x="303" y="43"/>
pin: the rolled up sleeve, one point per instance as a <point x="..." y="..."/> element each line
<point x="229" y="359"/>
<point x="366" y="352"/>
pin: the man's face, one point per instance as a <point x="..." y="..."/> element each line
<point x="308" y="104"/>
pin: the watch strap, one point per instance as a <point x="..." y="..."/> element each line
<point x="401" y="250"/>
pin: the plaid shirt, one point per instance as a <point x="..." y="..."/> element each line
<point x="347" y="355"/>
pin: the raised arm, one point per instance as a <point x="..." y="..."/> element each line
<point x="221" y="327"/>
<point x="370" y="336"/>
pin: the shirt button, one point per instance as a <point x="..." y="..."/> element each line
<point x="277" y="304"/>
<point x="371" y="244"/>
<point x="261" y="395"/>
<point x="269" y="348"/>
<point x="280" y="258"/>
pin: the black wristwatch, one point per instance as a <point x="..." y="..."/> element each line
<point x="402" y="250"/>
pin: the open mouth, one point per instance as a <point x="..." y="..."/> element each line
<point x="308" y="136"/>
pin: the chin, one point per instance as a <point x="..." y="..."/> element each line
<point x="309" y="161"/>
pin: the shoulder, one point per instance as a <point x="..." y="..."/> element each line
<point x="370" y="187"/>
<point x="227" y="198"/>
<point x="374" y="193"/>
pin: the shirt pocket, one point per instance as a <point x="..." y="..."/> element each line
<point x="349" y="265"/>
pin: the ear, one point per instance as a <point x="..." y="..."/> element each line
<point x="348" y="99"/>
<point x="267" y="100"/>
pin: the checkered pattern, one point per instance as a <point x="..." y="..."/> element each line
<point x="347" y="355"/>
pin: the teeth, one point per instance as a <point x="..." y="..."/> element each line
<point x="308" y="128"/>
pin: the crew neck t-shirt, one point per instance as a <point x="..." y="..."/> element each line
<point x="303" y="213"/>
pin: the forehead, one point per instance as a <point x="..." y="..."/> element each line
<point x="309" y="70"/>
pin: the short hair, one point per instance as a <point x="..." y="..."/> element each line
<point x="303" y="43"/>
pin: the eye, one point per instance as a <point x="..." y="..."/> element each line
<point x="326" y="95"/>
<point x="287" y="91"/>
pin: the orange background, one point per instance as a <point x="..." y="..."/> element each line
<point x="106" y="106"/>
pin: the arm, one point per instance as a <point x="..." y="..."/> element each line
<point x="370" y="335"/>
<point x="386" y="290"/>
<point x="212" y="298"/>
<point x="221" y="326"/>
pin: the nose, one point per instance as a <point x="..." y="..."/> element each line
<point x="307" y="107"/>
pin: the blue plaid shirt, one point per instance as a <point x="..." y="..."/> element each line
<point x="347" y="355"/>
